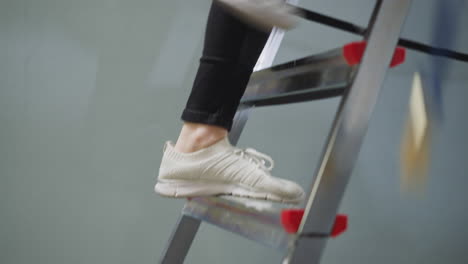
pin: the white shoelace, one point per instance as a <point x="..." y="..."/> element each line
<point x="258" y="158"/>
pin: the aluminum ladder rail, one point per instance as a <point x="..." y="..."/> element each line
<point x="312" y="78"/>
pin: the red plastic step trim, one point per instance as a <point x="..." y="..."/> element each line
<point x="353" y="52"/>
<point x="340" y="226"/>
<point x="291" y="219"/>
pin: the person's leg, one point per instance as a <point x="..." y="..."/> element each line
<point x="196" y="136"/>
<point x="230" y="52"/>
<point x="203" y="162"/>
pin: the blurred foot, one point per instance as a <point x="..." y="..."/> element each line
<point x="263" y="14"/>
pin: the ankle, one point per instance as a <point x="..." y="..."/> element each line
<point x="194" y="136"/>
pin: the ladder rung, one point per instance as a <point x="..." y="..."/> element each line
<point x="315" y="77"/>
<point x="261" y="221"/>
<point x="257" y="220"/>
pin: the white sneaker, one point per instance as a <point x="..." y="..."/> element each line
<point x="264" y="14"/>
<point x="222" y="169"/>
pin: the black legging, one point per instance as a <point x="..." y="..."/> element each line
<point x="230" y="52"/>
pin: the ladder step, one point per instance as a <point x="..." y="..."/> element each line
<point x="256" y="220"/>
<point x="267" y="223"/>
<point x="315" y="77"/>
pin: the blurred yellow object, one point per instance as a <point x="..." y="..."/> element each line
<point x="415" y="144"/>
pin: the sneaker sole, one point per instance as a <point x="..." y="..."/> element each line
<point x="186" y="189"/>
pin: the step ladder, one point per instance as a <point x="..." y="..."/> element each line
<point x="355" y="72"/>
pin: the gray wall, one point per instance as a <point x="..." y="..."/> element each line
<point x="91" y="89"/>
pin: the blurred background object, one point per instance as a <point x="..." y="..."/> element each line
<point x="426" y="104"/>
<point x="415" y="147"/>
